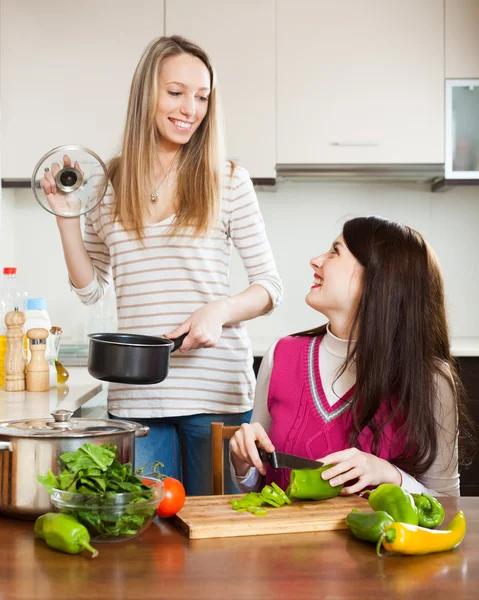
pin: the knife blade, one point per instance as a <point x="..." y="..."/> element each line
<point x="280" y="460"/>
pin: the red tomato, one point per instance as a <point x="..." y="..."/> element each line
<point x="173" y="497"/>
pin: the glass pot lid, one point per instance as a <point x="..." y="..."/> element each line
<point x="69" y="181"/>
<point x="63" y="425"/>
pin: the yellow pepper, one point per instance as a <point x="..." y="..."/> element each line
<point x="412" y="539"/>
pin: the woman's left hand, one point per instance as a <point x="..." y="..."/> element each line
<point x="204" y="327"/>
<point x="352" y="464"/>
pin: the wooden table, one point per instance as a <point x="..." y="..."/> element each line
<point x="163" y="563"/>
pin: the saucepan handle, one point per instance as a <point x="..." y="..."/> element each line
<point x="142" y="431"/>
<point x="178" y="341"/>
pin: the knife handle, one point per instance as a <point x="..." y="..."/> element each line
<point x="269" y="457"/>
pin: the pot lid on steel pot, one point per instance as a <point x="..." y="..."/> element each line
<point x="63" y="425"/>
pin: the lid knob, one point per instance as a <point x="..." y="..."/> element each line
<point x="61" y="416"/>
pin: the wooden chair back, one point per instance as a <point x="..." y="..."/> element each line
<point x="219" y="433"/>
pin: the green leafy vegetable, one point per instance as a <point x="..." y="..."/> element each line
<point x="49" y="481"/>
<point x="95" y="472"/>
<point x="89" y="456"/>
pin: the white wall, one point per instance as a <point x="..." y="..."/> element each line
<point x="302" y="219"/>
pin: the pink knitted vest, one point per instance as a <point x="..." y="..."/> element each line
<point x="303" y="422"/>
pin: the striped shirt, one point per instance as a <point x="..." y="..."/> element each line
<point x="160" y="284"/>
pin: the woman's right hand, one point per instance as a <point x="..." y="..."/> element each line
<point x="244" y="448"/>
<point x="59" y="202"/>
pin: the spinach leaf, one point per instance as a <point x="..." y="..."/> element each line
<point x="49" y="481"/>
<point x="95" y="472"/>
<point x="89" y="456"/>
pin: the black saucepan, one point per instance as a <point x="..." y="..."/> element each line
<point x="130" y="358"/>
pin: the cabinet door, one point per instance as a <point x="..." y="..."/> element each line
<point x="240" y="39"/>
<point x="65" y="71"/>
<point x="462" y="38"/>
<point x="360" y="82"/>
<point x="462" y="129"/>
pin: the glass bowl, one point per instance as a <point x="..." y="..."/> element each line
<point x="111" y="516"/>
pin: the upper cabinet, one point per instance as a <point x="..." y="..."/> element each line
<point x="360" y="82"/>
<point x="240" y="39"/>
<point x="65" y="74"/>
<point x="462" y="39"/>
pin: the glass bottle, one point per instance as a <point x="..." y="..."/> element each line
<point x="9" y="300"/>
<point x="62" y="373"/>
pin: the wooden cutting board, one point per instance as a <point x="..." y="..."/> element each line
<point x="212" y="517"/>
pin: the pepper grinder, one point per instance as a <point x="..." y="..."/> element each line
<point x="14" y="360"/>
<point x="38" y="375"/>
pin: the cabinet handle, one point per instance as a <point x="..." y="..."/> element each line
<point x="352" y="144"/>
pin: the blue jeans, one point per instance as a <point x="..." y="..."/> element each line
<point x="183" y="445"/>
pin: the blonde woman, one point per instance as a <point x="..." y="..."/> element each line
<point x="163" y="234"/>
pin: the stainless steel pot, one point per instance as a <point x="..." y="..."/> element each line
<point x="29" y="448"/>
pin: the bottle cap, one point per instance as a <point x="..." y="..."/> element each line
<point x="10" y="270"/>
<point x="35" y="304"/>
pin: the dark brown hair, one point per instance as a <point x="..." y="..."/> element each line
<point x="401" y="341"/>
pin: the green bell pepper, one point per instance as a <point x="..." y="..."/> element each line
<point x="63" y="532"/>
<point x="395" y="501"/>
<point x="368" y="526"/>
<point x="430" y="510"/>
<point x="308" y="484"/>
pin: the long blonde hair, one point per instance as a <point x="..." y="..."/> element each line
<point x="200" y="161"/>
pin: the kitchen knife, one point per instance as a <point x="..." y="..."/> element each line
<point x="280" y="460"/>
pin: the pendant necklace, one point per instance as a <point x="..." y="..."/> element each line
<point x="154" y="194"/>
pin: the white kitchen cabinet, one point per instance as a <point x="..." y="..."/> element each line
<point x="360" y="82"/>
<point x="65" y="74"/>
<point x="462" y="38"/>
<point x="240" y="39"/>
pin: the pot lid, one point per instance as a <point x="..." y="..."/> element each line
<point x="80" y="176"/>
<point x="63" y="425"/>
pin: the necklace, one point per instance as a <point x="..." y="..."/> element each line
<point x="154" y="194"/>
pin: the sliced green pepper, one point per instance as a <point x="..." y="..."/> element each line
<point x="251" y="499"/>
<point x="272" y="503"/>
<point x="281" y="493"/>
<point x="308" y="484"/>
<point x="271" y="495"/>
<point x="397" y="502"/>
<point x="430" y="510"/>
<point x="259" y="511"/>
<point x="63" y="532"/>
<point x="368" y="526"/>
<point x="253" y="502"/>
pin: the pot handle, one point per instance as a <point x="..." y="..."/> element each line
<point x="5" y="446"/>
<point x="142" y="431"/>
<point x="178" y="341"/>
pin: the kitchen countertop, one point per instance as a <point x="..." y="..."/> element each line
<point x="163" y="563"/>
<point x="464" y="347"/>
<point x="79" y="389"/>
